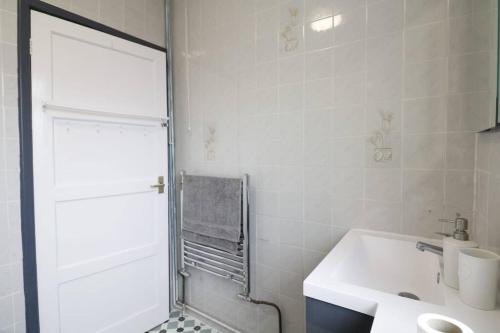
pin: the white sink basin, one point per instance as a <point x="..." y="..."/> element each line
<point x="389" y="263"/>
<point x="366" y="271"/>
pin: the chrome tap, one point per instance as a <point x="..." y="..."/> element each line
<point x="460" y="233"/>
<point x="422" y="246"/>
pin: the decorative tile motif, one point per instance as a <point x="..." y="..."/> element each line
<point x="290" y="31"/>
<point x="210" y="143"/>
<point x="381" y="138"/>
<point x="180" y="322"/>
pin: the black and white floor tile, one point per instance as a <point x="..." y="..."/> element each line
<point x="180" y="322"/>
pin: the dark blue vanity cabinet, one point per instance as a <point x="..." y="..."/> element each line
<point x="322" y="317"/>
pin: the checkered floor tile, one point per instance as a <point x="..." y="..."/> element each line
<point x="179" y="322"/>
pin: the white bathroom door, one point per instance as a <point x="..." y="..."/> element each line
<point x="99" y="145"/>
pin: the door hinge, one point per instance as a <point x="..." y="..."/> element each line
<point x="31" y="46"/>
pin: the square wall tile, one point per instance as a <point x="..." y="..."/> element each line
<point x="420" y="12"/>
<point x="384" y="17"/>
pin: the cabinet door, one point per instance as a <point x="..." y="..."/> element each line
<point x="322" y="317"/>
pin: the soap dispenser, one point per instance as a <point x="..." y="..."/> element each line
<point x="451" y="244"/>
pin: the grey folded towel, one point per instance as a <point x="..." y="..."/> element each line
<point x="212" y="211"/>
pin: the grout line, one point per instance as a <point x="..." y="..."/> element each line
<point x="446" y="170"/>
<point x="402" y="115"/>
<point x="365" y="113"/>
<point x="302" y="55"/>
<point x="475" y="186"/>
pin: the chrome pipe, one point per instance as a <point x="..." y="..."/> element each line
<point x="182" y="271"/>
<point x="229" y="262"/>
<point x="207" y="249"/>
<point x="196" y="263"/>
<point x="210" y="269"/>
<point x="246" y="237"/>
<point x="192" y="256"/>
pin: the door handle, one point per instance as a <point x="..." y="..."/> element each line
<point x="161" y="185"/>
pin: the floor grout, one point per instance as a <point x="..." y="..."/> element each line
<point x="180" y="322"/>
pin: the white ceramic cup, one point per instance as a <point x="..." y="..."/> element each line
<point x="478" y="277"/>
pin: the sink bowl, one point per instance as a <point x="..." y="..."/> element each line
<point x="370" y="267"/>
<point x="368" y="270"/>
<point x="391" y="264"/>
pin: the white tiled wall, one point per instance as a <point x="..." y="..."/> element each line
<point x="267" y="87"/>
<point x="143" y="18"/>
<point x="487" y="189"/>
<point x="487" y="208"/>
<point x="295" y="108"/>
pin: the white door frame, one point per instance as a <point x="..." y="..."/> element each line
<point x="26" y="148"/>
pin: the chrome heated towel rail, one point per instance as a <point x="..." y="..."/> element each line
<point x="234" y="267"/>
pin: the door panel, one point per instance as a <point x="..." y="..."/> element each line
<point x="119" y="217"/>
<point x="80" y="160"/>
<point x="96" y="71"/>
<point x="92" y="301"/>
<point x="123" y="76"/>
<point x="98" y="145"/>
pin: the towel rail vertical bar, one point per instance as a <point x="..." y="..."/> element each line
<point x="182" y="217"/>
<point x="246" y="239"/>
<point x="182" y="271"/>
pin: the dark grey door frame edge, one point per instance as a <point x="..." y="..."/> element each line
<point x="25" y="139"/>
